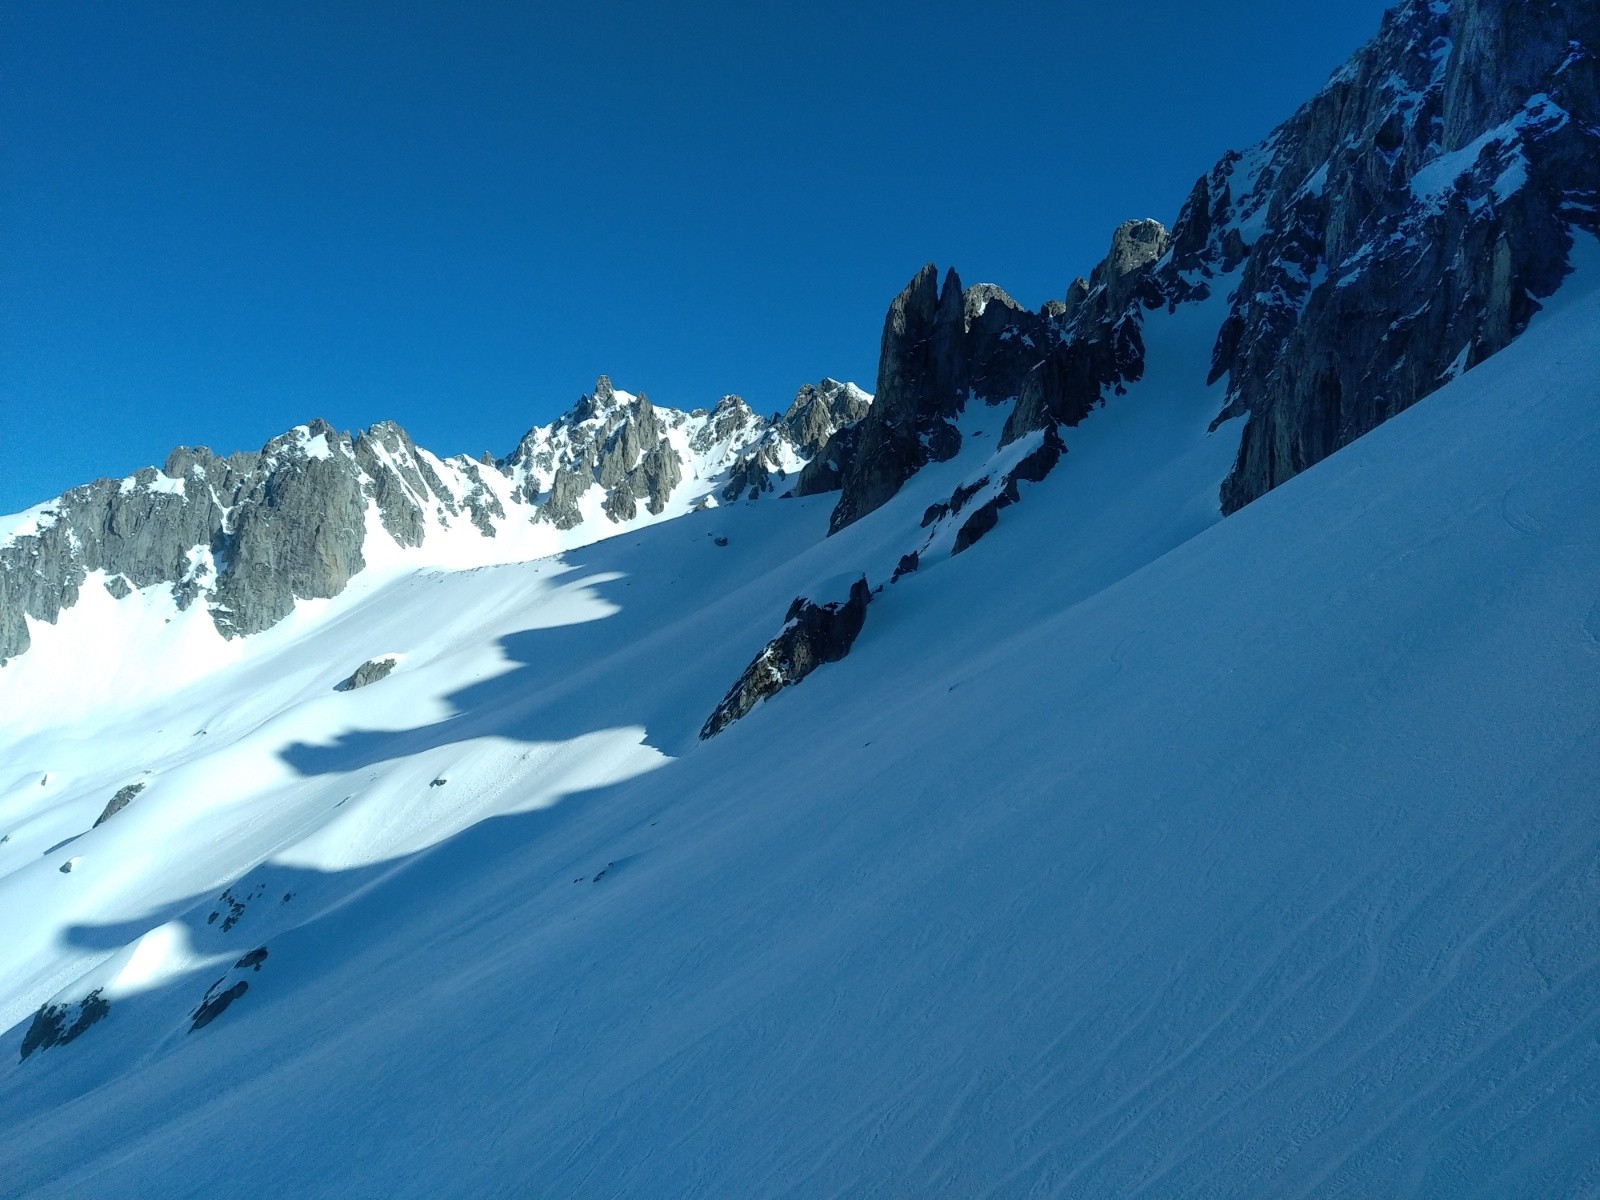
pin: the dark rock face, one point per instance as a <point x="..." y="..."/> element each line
<point x="118" y="802"/>
<point x="982" y="520"/>
<point x="58" y="1024"/>
<point x="825" y="472"/>
<point x="813" y="634"/>
<point x="1412" y="216"/>
<point x="1135" y="247"/>
<point x="220" y="995"/>
<point x="1100" y="346"/>
<point x="943" y="347"/>
<point x="1040" y="461"/>
<point x="215" y="1003"/>
<point x="820" y="414"/>
<point x="370" y="671"/>
<point x="1031" y="468"/>
<point x="920" y="387"/>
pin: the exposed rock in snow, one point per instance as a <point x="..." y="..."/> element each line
<point x="1031" y="468"/>
<point x="119" y="802"/>
<point x="220" y="995"/>
<point x="1404" y="224"/>
<point x="1401" y="227"/>
<point x="214" y="1003"/>
<point x="1216" y="856"/>
<point x="789" y="444"/>
<point x="936" y="349"/>
<point x="944" y="347"/>
<point x="370" y="671"/>
<point x="814" y="633"/>
<point x="58" y="1024"/>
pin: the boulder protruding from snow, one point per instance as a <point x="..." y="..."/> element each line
<point x="118" y="802"/>
<point x="58" y="1024"/>
<point x="370" y="671"/>
<point x="221" y="994"/>
<point x="813" y="634"/>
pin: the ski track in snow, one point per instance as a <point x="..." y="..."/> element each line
<point x="1129" y="853"/>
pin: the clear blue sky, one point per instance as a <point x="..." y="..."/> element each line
<point x="218" y="220"/>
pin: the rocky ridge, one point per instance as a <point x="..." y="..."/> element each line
<point x="1402" y="226"/>
<point x="816" y="630"/>
<point x="1399" y="228"/>
<point x="252" y="534"/>
<point x="946" y="346"/>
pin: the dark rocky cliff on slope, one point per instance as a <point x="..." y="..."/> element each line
<point x="1399" y="228"/>
<point x="1403" y="225"/>
<point x="944" y="347"/>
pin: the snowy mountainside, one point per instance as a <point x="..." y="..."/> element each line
<point x="1133" y="852"/>
<point x="1149" y="751"/>
<point x="1405" y="224"/>
<point x="252" y="535"/>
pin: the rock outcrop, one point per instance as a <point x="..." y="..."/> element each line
<point x="251" y="535"/>
<point x="944" y="347"/>
<point x="221" y="994"/>
<point x="369" y="672"/>
<point x="1402" y="226"/>
<point x="819" y="410"/>
<point x="1030" y="468"/>
<point x="794" y="442"/>
<point x="941" y="347"/>
<point x="611" y="440"/>
<point x="814" y="633"/>
<point x="118" y="802"/>
<point x="58" y="1024"/>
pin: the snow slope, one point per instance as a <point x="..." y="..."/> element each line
<point x="1130" y="852"/>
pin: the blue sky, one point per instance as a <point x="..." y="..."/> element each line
<point x="220" y="220"/>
